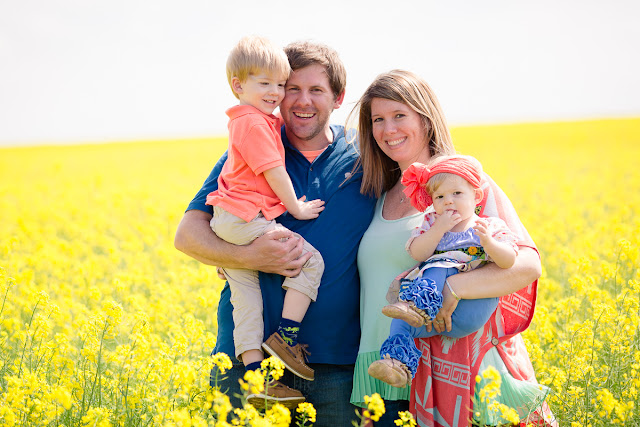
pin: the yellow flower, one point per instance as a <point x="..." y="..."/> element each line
<point x="7" y="416"/>
<point x="473" y="250"/>
<point x="253" y="382"/>
<point x="606" y="401"/>
<point x="41" y="327"/>
<point x="96" y="417"/>
<point x="375" y="407"/>
<point x="491" y="389"/>
<point x="491" y="373"/>
<point x="278" y="416"/>
<point x="113" y="311"/>
<point x="582" y="340"/>
<point x="508" y="414"/>
<point x="307" y="411"/>
<point x="406" y="419"/>
<point x="244" y="415"/>
<point x="272" y="367"/>
<point x="43" y="298"/>
<point x="219" y="404"/>
<point x="94" y="293"/>
<point x="222" y="361"/>
<point x="63" y="397"/>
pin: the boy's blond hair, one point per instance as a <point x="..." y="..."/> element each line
<point x="253" y="55"/>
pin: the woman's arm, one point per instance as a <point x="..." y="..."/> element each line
<point x="267" y="253"/>
<point x="488" y="282"/>
<point x="492" y="281"/>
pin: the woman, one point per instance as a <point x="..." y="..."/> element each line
<point x="401" y="122"/>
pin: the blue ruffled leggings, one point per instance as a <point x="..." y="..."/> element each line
<point x="469" y="316"/>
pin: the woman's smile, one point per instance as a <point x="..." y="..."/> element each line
<point x="396" y="142"/>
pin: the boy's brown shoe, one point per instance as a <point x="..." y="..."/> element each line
<point x="292" y="357"/>
<point x="276" y="392"/>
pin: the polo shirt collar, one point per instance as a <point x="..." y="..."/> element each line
<point x="242" y="110"/>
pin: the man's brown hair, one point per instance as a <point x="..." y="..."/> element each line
<point x="304" y="53"/>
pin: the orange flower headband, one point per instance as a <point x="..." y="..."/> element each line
<point x="417" y="175"/>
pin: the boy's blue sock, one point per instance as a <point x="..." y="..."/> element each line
<point x="253" y="366"/>
<point x="288" y="330"/>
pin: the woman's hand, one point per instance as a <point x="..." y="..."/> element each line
<point x="442" y="321"/>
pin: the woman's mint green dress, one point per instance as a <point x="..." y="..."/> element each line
<point x="381" y="257"/>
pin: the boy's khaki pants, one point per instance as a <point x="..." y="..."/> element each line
<point x="246" y="297"/>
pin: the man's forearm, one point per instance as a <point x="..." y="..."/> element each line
<point x="195" y="238"/>
<point x="493" y="281"/>
<point x="274" y="252"/>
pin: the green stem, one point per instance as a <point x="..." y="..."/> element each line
<point x="98" y="366"/>
<point x="4" y="300"/>
<point x="24" y="348"/>
<point x="588" y="379"/>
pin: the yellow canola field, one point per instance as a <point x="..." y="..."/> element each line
<point x="103" y="322"/>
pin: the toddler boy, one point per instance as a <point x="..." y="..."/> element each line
<point x="253" y="189"/>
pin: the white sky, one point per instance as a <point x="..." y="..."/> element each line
<point x="85" y="70"/>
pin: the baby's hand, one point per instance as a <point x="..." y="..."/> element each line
<point x="308" y="210"/>
<point x="482" y="230"/>
<point x="502" y="253"/>
<point x="447" y="220"/>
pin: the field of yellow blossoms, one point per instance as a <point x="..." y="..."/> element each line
<point x="103" y="322"/>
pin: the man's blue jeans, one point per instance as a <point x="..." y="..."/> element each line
<point x="329" y="392"/>
<point x="392" y="407"/>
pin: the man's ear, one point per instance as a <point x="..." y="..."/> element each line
<point x="479" y="195"/>
<point x="236" y="85"/>
<point x="339" y="100"/>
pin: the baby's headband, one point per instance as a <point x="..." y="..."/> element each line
<point x="418" y="174"/>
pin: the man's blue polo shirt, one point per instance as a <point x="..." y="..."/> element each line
<point x="331" y="326"/>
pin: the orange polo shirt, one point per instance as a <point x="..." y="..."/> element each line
<point x="254" y="147"/>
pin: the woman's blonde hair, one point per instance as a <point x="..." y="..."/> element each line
<point x="380" y="173"/>
<point x="254" y="55"/>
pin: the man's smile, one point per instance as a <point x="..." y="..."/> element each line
<point x="304" y="115"/>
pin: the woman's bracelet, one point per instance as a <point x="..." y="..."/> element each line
<point x="446" y="282"/>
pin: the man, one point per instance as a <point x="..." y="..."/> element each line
<point x="320" y="164"/>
